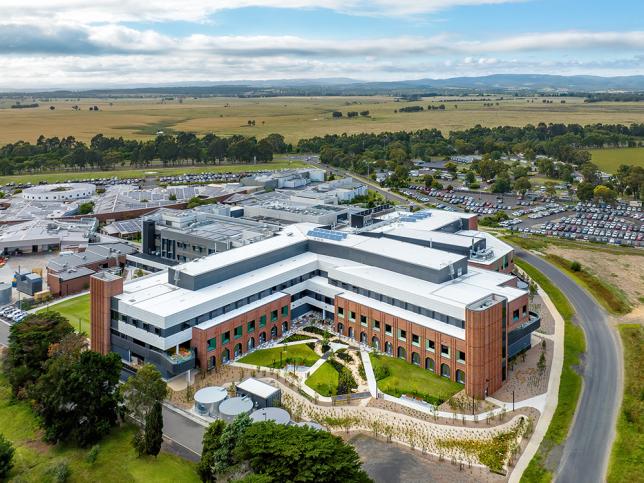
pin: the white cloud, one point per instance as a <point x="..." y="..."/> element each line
<point x="117" y="11"/>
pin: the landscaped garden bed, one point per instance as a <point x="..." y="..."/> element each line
<point x="280" y="357"/>
<point x="397" y="377"/>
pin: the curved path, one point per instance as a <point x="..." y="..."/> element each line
<point x="587" y="449"/>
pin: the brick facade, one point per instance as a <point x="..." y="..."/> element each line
<point x="103" y="287"/>
<point x="222" y="351"/>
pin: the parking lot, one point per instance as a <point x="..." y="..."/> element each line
<point x="617" y="225"/>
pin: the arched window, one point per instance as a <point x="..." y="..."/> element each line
<point x="415" y="358"/>
<point x="460" y="376"/>
<point x="262" y="337"/>
<point x="273" y="332"/>
<point x="363" y="338"/>
<point x="237" y="350"/>
<point x="251" y="343"/>
<point x="445" y="370"/>
<point x="402" y="353"/>
<point x="389" y="349"/>
<point x="284" y="326"/>
<point x="351" y="332"/>
<point x="225" y="356"/>
<point x="375" y="343"/>
<point x="341" y="328"/>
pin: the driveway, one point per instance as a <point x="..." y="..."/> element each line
<point x="587" y="449"/>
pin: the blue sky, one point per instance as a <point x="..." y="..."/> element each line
<point x="77" y="43"/>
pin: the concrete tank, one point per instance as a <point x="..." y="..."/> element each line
<point x="233" y="407"/>
<point x="5" y="293"/>
<point x="208" y="399"/>
<point x="277" y="415"/>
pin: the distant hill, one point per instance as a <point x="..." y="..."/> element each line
<point x="491" y="84"/>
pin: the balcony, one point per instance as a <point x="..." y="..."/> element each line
<point x="519" y="338"/>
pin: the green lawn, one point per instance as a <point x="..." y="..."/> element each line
<point x="324" y="381"/>
<point x="140" y="172"/>
<point x="300" y="354"/>
<point x="570" y="382"/>
<point x="609" y="159"/>
<point x="76" y="310"/>
<point x="627" y="459"/>
<point x="116" y="462"/>
<point x="406" y="378"/>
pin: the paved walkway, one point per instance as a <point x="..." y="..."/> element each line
<point x="550" y="399"/>
<point x="368" y="369"/>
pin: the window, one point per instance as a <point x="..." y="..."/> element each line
<point x="376" y="325"/>
<point x="524" y="310"/>
<point x="285" y="311"/>
<point x="461" y="356"/>
<point x="238" y="331"/>
<point x="262" y="321"/>
<point x="274" y="316"/>
<point x="212" y="344"/>
<point x="225" y="337"/>
<point x="444" y="350"/>
<point x="352" y="316"/>
<point x="388" y="329"/>
<point x="363" y="320"/>
<point x="415" y="339"/>
<point x="251" y="326"/>
<point x="402" y="334"/>
<point x="341" y="312"/>
<point x="430" y="345"/>
<point x="515" y="315"/>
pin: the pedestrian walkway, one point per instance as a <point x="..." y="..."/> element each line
<point x="368" y="369"/>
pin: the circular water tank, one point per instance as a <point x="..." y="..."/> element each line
<point x="5" y="293"/>
<point x="233" y="407"/>
<point x="208" y="399"/>
<point x="277" y="415"/>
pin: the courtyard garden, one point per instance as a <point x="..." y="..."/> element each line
<point x="280" y="357"/>
<point x="397" y="377"/>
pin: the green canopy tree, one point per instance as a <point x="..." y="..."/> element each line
<point x="6" y="456"/>
<point x="210" y="444"/>
<point x="294" y="453"/>
<point x="141" y="391"/>
<point x="29" y="343"/>
<point x="154" y="429"/>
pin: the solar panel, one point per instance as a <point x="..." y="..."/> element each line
<point x="327" y="234"/>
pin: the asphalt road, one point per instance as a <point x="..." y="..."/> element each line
<point x="587" y="449"/>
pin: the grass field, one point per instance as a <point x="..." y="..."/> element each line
<point x="609" y="159"/>
<point x="627" y="459"/>
<point x="406" y="378"/>
<point x="116" y="462"/>
<point x="140" y="173"/>
<point x="299" y="354"/>
<point x="324" y="380"/>
<point x="294" y="117"/>
<point x="611" y="298"/>
<point x="76" y="310"/>
<point x="570" y="382"/>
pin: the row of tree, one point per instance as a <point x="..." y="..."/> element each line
<point x="107" y="152"/>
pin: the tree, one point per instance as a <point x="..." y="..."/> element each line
<point x="224" y="457"/>
<point x="550" y="188"/>
<point x="470" y="177"/>
<point x="451" y="167"/>
<point x="6" y="456"/>
<point x="585" y="191"/>
<point x="154" y="429"/>
<point x="336" y="114"/>
<point x="141" y="391"/>
<point x="29" y="343"/>
<point x="294" y="453"/>
<point x="502" y="184"/>
<point x="522" y="185"/>
<point x="77" y="398"/>
<point x="575" y="266"/>
<point x="427" y="180"/>
<point x="210" y="444"/>
<point x="605" y="194"/>
<point x="86" y="208"/>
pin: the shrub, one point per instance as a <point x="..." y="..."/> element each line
<point x="92" y="454"/>
<point x="575" y="267"/>
<point x="380" y="372"/>
<point x="344" y="355"/>
<point x="6" y="456"/>
<point x="314" y="330"/>
<point x="59" y="472"/>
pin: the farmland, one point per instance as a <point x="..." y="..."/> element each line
<point x="294" y="117"/>
<point x="609" y="159"/>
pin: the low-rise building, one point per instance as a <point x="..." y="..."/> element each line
<point x="425" y="304"/>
